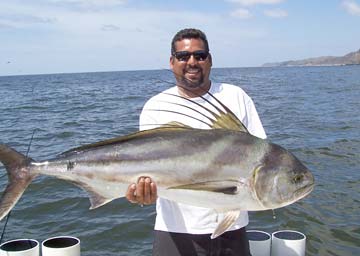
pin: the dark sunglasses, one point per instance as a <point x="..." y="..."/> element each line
<point x="200" y="55"/>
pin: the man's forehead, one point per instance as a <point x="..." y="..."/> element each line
<point x="190" y="41"/>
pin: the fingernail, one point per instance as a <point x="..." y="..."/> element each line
<point x="147" y="180"/>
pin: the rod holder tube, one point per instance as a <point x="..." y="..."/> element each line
<point x="20" y="247"/>
<point x="61" y="246"/>
<point x="288" y="242"/>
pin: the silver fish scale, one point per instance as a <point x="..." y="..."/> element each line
<point x="189" y="155"/>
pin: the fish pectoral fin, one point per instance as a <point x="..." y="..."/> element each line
<point x="226" y="223"/>
<point x="229" y="187"/>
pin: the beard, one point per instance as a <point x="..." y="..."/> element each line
<point x="192" y="83"/>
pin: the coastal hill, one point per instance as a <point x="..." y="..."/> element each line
<point x="352" y="58"/>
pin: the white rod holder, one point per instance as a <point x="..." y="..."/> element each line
<point x="61" y="246"/>
<point x="288" y="242"/>
<point x="20" y="247"/>
<point x="259" y="242"/>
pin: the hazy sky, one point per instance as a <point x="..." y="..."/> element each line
<point x="66" y="36"/>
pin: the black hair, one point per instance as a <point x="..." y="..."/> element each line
<point x="189" y="33"/>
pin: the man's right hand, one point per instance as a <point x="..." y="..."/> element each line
<point x="142" y="193"/>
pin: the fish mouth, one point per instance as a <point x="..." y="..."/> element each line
<point x="305" y="190"/>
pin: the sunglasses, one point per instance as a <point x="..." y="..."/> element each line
<point x="200" y="55"/>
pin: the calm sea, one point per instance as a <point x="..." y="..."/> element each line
<point x="312" y="111"/>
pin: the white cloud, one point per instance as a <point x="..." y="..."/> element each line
<point x="5" y="26"/>
<point x="34" y="33"/>
<point x="276" y="13"/>
<point x="254" y="2"/>
<point x="110" y="27"/>
<point x="104" y="3"/>
<point x="18" y="16"/>
<point x="241" y="14"/>
<point x="94" y="2"/>
<point x="351" y="7"/>
<point x="24" y="19"/>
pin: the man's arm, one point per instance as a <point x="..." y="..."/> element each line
<point x="145" y="191"/>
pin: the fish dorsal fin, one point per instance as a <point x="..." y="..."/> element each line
<point x="226" y="119"/>
<point x="226" y="223"/>
<point x="136" y="135"/>
<point x="221" y="118"/>
<point x="229" y="187"/>
<point x="175" y="124"/>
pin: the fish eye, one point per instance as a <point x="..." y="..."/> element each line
<point x="298" y="178"/>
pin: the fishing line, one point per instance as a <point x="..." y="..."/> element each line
<point x="274" y="215"/>
<point x="32" y="137"/>
<point x="4" y="228"/>
<point x="8" y="215"/>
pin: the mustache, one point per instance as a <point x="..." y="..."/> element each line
<point x="193" y="68"/>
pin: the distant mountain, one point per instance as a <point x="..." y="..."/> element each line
<point x="352" y="58"/>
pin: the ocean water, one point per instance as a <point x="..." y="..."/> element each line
<point x="312" y="111"/>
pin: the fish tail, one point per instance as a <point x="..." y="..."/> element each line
<point x="19" y="176"/>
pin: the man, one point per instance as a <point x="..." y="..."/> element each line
<point x="183" y="229"/>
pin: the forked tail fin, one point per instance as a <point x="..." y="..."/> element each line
<point x="19" y="176"/>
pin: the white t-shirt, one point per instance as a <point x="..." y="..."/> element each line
<point x="182" y="218"/>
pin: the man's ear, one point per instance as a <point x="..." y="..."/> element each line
<point x="171" y="62"/>
<point x="210" y="59"/>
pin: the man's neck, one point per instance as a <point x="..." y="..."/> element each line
<point x="194" y="92"/>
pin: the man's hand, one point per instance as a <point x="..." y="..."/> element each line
<point x="144" y="192"/>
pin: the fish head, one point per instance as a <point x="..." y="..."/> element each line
<point x="281" y="179"/>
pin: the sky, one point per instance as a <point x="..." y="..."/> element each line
<point x="71" y="36"/>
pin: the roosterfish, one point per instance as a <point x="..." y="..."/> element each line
<point x="224" y="168"/>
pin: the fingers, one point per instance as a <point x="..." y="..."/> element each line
<point x="150" y="192"/>
<point x="153" y="192"/>
<point x="130" y="194"/>
<point x="140" y="191"/>
<point x="147" y="191"/>
<point x="144" y="192"/>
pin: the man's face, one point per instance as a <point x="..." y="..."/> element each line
<point x="192" y="72"/>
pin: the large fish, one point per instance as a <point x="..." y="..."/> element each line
<point x="224" y="168"/>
